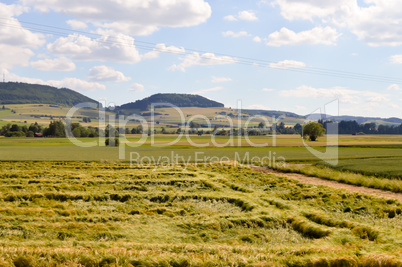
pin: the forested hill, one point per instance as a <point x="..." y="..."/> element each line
<point x="25" y="93"/>
<point x="179" y="100"/>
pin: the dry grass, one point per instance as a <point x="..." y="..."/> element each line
<point x="108" y="214"/>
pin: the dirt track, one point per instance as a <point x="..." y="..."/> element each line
<point x="319" y="181"/>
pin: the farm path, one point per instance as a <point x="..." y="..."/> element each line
<point x="319" y="181"/>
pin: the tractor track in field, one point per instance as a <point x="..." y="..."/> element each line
<point x="320" y="181"/>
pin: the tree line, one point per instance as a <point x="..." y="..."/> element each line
<point x="352" y="127"/>
<point x="56" y="129"/>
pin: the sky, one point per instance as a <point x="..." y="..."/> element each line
<point x="290" y="55"/>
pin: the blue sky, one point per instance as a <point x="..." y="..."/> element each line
<point x="288" y="55"/>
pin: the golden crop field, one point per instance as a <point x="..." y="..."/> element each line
<point x="114" y="214"/>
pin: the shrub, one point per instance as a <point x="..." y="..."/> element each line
<point x="307" y="229"/>
<point x="365" y="232"/>
<point x="24" y="261"/>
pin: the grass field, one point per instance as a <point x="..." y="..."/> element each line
<point x="31" y="113"/>
<point x="379" y="167"/>
<point x="111" y="214"/>
<point x="382" y="180"/>
<point x="288" y="147"/>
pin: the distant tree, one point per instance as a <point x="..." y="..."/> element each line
<point x="298" y="128"/>
<point x="4" y="107"/>
<point x="36" y="128"/>
<point x="110" y="129"/>
<point x="24" y="128"/>
<point x="76" y="132"/>
<point x="261" y="125"/>
<point x="15" y="128"/>
<point x="30" y="134"/>
<point x="55" y="129"/>
<point x="139" y="129"/>
<point x="194" y="125"/>
<point x="5" y="129"/>
<point x="313" y="130"/>
<point x="112" y="141"/>
<point x="214" y="131"/>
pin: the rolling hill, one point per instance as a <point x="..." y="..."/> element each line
<point x="179" y="100"/>
<point x="24" y="93"/>
<point x="272" y="113"/>
<point x="358" y="119"/>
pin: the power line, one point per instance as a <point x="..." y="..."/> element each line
<point x="224" y="58"/>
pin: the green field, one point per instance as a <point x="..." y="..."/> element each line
<point x="111" y="214"/>
<point x="380" y="167"/>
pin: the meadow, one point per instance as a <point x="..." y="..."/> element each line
<point x="114" y="214"/>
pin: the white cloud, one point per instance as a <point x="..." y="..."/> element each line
<point x="268" y="89"/>
<point x="395" y="106"/>
<point x="220" y="79"/>
<point x="396" y="59"/>
<point x="130" y="17"/>
<point x="317" y="35"/>
<point x="76" y="24"/>
<point x="119" y="48"/>
<point x="375" y="22"/>
<point x="11" y="31"/>
<point x="247" y="15"/>
<point x="300" y="108"/>
<point x="378" y="24"/>
<point x="137" y="88"/>
<point x="307" y="10"/>
<point x="106" y="74"/>
<point x="375" y="97"/>
<point x="70" y="83"/>
<point x="14" y="56"/>
<point x="235" y="34"/>
<point x="126" y="28"/>
<point x="343" y="94"/>
<point x="57" y="64"/>
<point x="15" y="40"/>
<point x="213" y="89"/>
<point x="258" y="106"/>
<point x="77" y="85"/>
<point x="207" y="59"/>
<point x="286" y="64"/>
<point x="257" y="39"/>
<point x="162" y="48"/>
<point x="230" y="18"/>
<point x="394" y="87"/>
